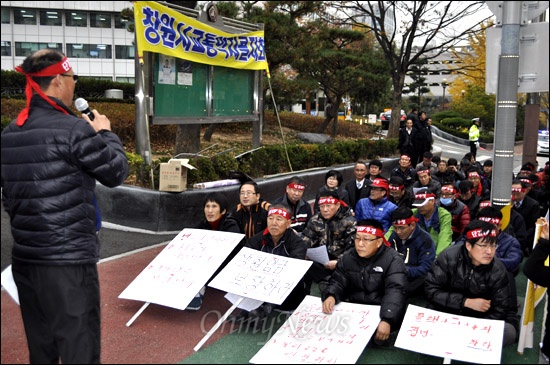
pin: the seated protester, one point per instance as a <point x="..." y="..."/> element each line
<point x="526" y="170"/>
<point x="414" y="245"/>
<point x="529" y="209"/>
<point x="479" y="189"/>
<point x="487" y="175"/>
<point x="537" y="270"/>
<point x="466" y="280"/>
<point x="473" y="162"/>
<point x="300" y="209"/>
<point x="251" y="212"/>
<point x="399" y="194"/>
<point x="433" y="219"/>
<point x="539" y="193"/>
<point x="375" y="171"/>
<point x="460" y="214"/>
<point x="278" y="239"/>
<point x="358" y="187"/>
<point x="467" y="196"/>
<point x="508" y="248"/>
<point x="405" y="171"/>
<point x="376" y="206"/>
<point x="371" y="273"/>
<point x="427" y="163"/>
<point x="216" y="219"/>
<point x="443" y="174"/>
<point x="425" y="181"/>
<point x="333" y="182"/>
<point x="333" y="227"/>
<point x="455" y="173"/>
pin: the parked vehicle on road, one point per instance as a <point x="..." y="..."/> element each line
<point x="385" y="118"/>
<point x="542" y="143"/>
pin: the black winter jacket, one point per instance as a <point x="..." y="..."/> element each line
<point x="453" y="278"/>
<point x="49" y="170"/>
<point x="290" y="245"/>
<point x="378" y="280"/>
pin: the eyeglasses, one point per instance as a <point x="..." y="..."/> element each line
<point x="400" y="228"/>
<point x="484" y="247"/>
<point x="75" y="77"/>
<point x="366" y="240"/>
<point x="247" y="193"/>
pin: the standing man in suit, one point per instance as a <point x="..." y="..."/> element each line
<point x="357" y="187"/>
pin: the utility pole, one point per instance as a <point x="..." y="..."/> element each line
<point x="506" y="105"/>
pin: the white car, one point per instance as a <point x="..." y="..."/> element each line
<point x="542" y="143"/>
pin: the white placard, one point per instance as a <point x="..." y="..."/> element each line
<point x="9" y="284"/>
<point x="310" y="336"/>
<point x="451" y="336"/>
<point x="179" y="271"/>
<point x="261" y="276"/>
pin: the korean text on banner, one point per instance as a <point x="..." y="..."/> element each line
<point x="160" y="29"/>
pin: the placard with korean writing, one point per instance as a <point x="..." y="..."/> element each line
<point x="182" y="268"/>
<point x="311" y="337"/>
<point x="451" y="336"/>
<point x="260" y="275"/>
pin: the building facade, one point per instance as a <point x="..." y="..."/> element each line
<point x="91" y="33"/>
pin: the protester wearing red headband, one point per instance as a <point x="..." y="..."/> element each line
<point x="529" y="209"/>
<point x="466" y="279"/>
<point x="374" y="274"/>
<point x="334" y="228"/>
<point x="460" y="213"/>
<point x="51" y="160"/>
<point x="277" y="239"/>
<point x="414" y="245"/>
<point x="300" y="209"/>
<point x="399" y="194"/>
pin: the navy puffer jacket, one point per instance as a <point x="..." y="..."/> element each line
<point x="49" y="170"/>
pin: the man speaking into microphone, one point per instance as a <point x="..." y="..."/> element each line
<point x="51" y="160"/>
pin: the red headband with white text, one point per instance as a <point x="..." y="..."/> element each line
<point x="374" y="231"/>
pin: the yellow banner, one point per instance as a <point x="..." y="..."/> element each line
<point x="160" y="29"/>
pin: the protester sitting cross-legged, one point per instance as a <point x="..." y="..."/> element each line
<point x="376" y="206"/>
<point x="216" y="219"/>
<point x="399" y="194"/>
<point x="278" y="239"/>
<point x="300" y="209"/>
<point x="414" y="245"/>
<point x="466" y="279"/>
<point x="251" y="212"/>
<point x="334" y="228"/>
<point x="333" y="182"/>
<point x="372" y="273"/>
<point x="460" y="213"/>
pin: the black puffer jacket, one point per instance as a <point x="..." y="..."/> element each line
<point x="377" y="280"/>
<point x="452" y="279"/>
<point x="290" y="245"/>
<point x="49" y="170"/>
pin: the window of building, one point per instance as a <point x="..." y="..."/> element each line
<point x="50" y="17"/>
<point x="6" y="48"/>
<point x="79" y="50"/>
<point x="124" y="52"/>
<point x="128" y="80"/>
<point x="76" y="18"/>
<point x="5" y="15"/>
<point x="24" y="49"/>
<point x="100" y="20"/>
<point x="120" y="23"/>
<point x="24" y="16"/>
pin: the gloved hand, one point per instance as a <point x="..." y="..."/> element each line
<point x="477" y="144"/>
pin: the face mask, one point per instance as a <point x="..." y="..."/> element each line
<point x="446" y="201"/>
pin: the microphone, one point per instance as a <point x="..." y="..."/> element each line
<point x="82" y="106"/>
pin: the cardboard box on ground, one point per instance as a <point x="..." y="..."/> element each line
<point x="173" y="175"/>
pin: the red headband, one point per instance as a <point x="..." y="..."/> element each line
<point x="278" y="211"/>
<point x="448" y="189"/>
<point x="473" y="173"/>
<point x="479" y="233"/>
<point x="296" y="186"/>
<point x="405" y="221"/>
<point x="527" y="181"/>
<point x="328" y="201"/>
<point x="424" y="196"/>
<point x="485" y="203"/>
<point x="395" y="187"/>
<point x="374" y="231"/>
<point x="59" y="68"/>
<point x="518" y="190"/>
<point x="493" y="220"/>
<point x="405" y="157"/>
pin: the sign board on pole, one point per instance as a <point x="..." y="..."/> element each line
<point x="179" y="271"/>
<point x="473" y="340"/>
<point x="311" y="337"/>
<point x="533" y="58"/>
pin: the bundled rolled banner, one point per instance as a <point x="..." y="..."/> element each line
<point x="216" y="184"/>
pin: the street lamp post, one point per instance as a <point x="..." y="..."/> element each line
<point x="463" y="92"/>
<point x="444" y="85"/>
